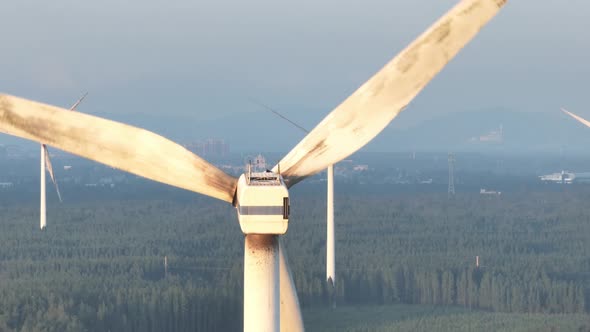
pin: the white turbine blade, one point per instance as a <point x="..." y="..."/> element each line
<point x="367" y="111"/>
<point x="291" y="319"/>
<point x="115" y="144"/>
<point x="73" y="108"/>
<point x="579" y="118"/>
<point x="50" y="169"/>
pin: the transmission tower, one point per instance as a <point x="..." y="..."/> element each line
<point x="451" y="174"/>
<point x="165" y="267"/>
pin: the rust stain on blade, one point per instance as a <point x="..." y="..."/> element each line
<point x="316" y="150"/>
<point x="470" y="8"/>
<point x="412" y="56"/>
<point x="501" y="3"/>
<point x="30" y="124"/>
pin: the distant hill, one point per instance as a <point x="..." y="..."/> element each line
<point x="522" y="131"/>
<point x="259" y="131"/>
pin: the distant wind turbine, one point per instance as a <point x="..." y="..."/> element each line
<point x="46" y="164"/>
<point x="330" y="241"/>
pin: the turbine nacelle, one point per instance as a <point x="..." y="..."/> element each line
<point x="262" y="203"/>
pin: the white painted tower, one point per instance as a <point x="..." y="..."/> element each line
<point x="43" y="219"/>
<point x="330" y="250"/>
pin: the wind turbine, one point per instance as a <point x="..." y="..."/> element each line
<point x="330" y="241"/>
<point x="261" y="199"/>
<point x="46" y="164"/>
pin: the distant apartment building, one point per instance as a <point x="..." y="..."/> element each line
<point x="563" y="177"/>
<point x="209" y="147"/>
<point x="259" y="162"/>
<point x="360" y="168"/>
<point x="489" y="192"/>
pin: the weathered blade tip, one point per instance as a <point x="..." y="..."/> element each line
<point x="501" y="3"/>
<point x="565" y="111"/>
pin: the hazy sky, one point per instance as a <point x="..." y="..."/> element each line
<point x="204" y="59"/>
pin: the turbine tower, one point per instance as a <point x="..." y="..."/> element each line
<point x="261" y="199"/>
<point x="46" y="164"/>
<point x="330" y="241"/>
<point x="451" y="159"/>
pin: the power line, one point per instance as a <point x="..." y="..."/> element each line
<point x="278" y="114"/>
